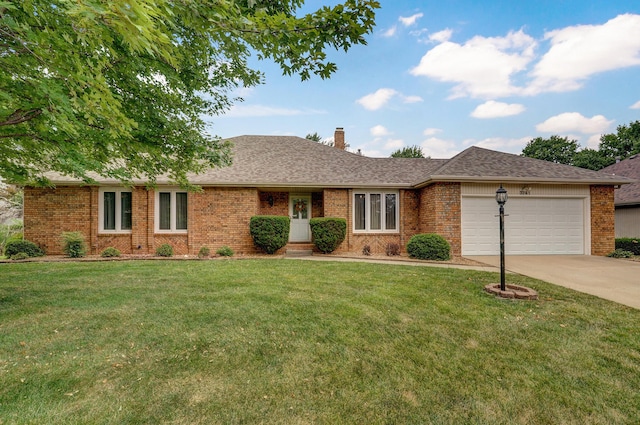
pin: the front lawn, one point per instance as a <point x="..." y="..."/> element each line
<point x="301" y="342"/>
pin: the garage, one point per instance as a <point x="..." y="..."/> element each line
<point x="533" y="225"/>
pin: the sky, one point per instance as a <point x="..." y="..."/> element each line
<point x="447" y="75"/>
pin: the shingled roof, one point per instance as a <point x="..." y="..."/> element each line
<point x="294" y="162"/>
<point x="628" y="194"/>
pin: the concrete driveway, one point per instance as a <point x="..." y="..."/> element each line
<point x="609" y="278"/>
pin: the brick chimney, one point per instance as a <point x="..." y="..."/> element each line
<point x="338" y="138"/>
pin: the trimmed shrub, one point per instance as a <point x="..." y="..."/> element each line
<point x="269" y="232"/>
<point x="110" y="252"/>
<point x="164" y="250"/>
<point x="620" y="253"/>
<point x="429" y="246"/>
<point x="204" y="252"/>
<point x="15" y="246"/>
<point x="328" y="232"/>
<point x="20" y="256"/>
<point x="225" y="251"/>
<point x="392" y="249"/>
<point x="629" y="244"/>
<point x="73" y="244"/>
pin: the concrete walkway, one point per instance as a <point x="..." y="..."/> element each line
<point x="609" y="278"/>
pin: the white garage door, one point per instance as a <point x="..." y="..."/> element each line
<point x="532" y="226"/>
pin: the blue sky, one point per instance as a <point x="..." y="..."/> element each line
<point x="446" y="75"/>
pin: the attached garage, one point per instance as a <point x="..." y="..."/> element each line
<point x="543" y="220"/>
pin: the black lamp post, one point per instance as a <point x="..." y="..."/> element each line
<point x="501" y="199"/>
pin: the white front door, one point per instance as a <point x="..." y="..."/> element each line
<point x="300" y="213"/>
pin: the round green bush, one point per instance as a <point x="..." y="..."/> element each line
<point x="204" y="252"/>
<point x="328" y="232"/>
<point x="13" y="247"/>
<point x="269" y="232"/>
<point x="110" y="252"/>
<point x="429" y="246"/>
<point x="225" y="251"/>
<point x="164" y="250"/>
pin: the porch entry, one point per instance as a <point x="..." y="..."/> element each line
<point x="300" y="213"/>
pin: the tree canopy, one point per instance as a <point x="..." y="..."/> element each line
<point x="556" y="149"/>
<point x="120" y="88"/>
<point x="620" y="145"/>
<point x="408" y="152"/>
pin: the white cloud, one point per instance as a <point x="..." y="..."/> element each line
<point x="410" y="20"/>
<point x="390" y="32"/>
<point x="379" y="131"/>
<point x="578" y="52"/>
<point x="377" y="100"/>
<point x="441" y="36"/>
<point x="493" y="109"/>
<point x="431" y="131"/>
<point x="394" y="144"/>
<point x="482" y="67"/>
<point x="381" y="97"/>
<point x="439" y="148"/>
<point x="267" y="111"/>
<point x="574" y="121"/>
<point x="412" y="99"/>
<point x="636" y="105"/>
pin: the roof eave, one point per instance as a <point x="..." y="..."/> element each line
<point x="506" y="179"/>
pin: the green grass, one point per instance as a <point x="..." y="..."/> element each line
<point x="300" y="342"/>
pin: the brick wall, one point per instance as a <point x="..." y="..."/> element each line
<point x="409" y="216"/>
<point x="220" y="216"/>
<point x="602" y="220"/>
<point x="280" y="203"/>
<point x="440" y="212"/>
<point x="49" y="212"/>
<point x="336" y="204"/>
<point x="217" y="217"/>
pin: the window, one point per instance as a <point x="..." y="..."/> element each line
<point x="375" y="211"/>
<point x="115" y="210"/>
<point x="171" y="211"/>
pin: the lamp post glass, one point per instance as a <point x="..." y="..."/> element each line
<point x="501" y="199"/>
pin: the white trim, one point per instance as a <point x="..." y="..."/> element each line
<point x="367" y="205"/>
<point x="118" y="191"/>
<point x="173" y="216"/>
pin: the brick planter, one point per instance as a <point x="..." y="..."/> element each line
<point x="512" y="291"/>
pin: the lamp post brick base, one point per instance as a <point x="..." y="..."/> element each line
<point x="512" y="291"/>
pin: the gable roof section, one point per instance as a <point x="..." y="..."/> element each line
<point x="284" y="161"/>
<point x="479" y="164"/>
<point x="628" y="194"/>
<point x="293" y="162"/>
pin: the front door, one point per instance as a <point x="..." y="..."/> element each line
<point x="300" y="213"/>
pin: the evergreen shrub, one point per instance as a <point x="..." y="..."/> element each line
<point x="328" y="232"/>
<point x="629" y="244"/>
<point x="429" y="246"/>
<point x="15" y="246"/>
<point x="269" y="232"/>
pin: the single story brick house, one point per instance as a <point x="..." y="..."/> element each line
<point x="627" y="198"/>
<point x="552" y="208"/>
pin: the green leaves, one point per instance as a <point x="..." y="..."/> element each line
<point x="118" y="89"/>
